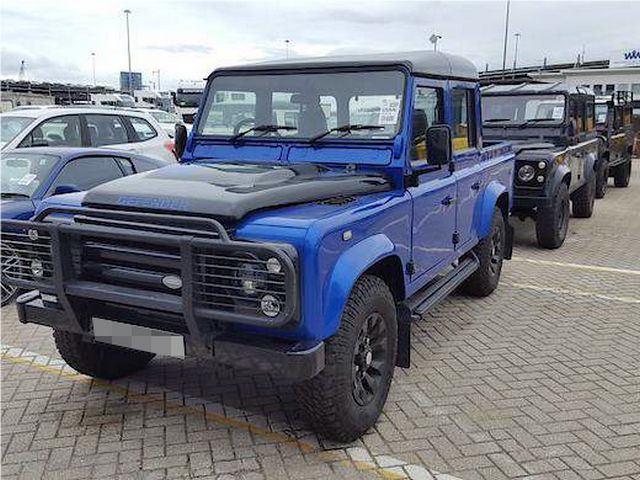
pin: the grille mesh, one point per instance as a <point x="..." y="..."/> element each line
<point x="24" y="253"/>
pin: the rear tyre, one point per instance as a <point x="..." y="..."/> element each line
<point x="552" y="223"/>
<point x="490" y="253"/>
<point x="344" y="400"/>
<point x="622" y="175"/>
<point x="584" y="199"/>
<point x="602" y="179"/>
<point x="99" y="360"/>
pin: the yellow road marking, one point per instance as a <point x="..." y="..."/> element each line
<point x="578" y="293"/>
<point x="578" y="266"/>
<point x="150" y="399"/>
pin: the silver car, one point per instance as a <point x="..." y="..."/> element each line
<point x="121" y="129"/>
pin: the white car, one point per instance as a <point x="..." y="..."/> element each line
<point x="86" y="127"/>
<point x="166" y="120"/>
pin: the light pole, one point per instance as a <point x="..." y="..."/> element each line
<point x="126" y="13"/>
<point x="93" y="67"/>
<point x="157" y="72"/>
<point x="286" y="43"/>
<point x="434" y="39"/>
<point x="506" y="39"/>
<point x="515" y="52"/>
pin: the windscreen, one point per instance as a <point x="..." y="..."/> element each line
<point x="306" y="104"/>
<point x="22" y="174"/>
<point x="188" y="98"/>
<point x="11" y="126"/>
<point x="510" y="109"/>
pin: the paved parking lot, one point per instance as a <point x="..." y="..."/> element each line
<point x="540" y="380"/>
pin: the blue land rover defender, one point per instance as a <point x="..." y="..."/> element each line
<point x="557" y="152"/>
<point x="319" y="206"/>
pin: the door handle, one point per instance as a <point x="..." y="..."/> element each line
<point x="475" y="186"/>
<point x="448" y="200"/>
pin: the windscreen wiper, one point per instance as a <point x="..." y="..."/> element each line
<point x="261" y="128"/>
<point x="535" y="120"/>
<point x="346" y="129"/>
<point x="488" y="120"/>
<point x="13" y="194"/>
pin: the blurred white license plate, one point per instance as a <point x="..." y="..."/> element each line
<point x="138" y="338"/>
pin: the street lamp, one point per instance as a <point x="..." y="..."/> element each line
<point x="434" y="40"/>
<point x="93" y="67"/>
<point x="286" y="43"/>
<point x="515" y="53"/>
<point x="157" y="72"/>
<point x="506" y="38"/>
<point x="126" y="13"/>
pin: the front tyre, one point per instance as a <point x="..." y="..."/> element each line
<point x="344" y="400"/>
<point x="99" y="360"/>
<point x="552" y="223"/>
<point x="622" y="175"/>
<point x="490" y="253"/>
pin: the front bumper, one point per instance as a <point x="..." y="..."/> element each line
<point x="524" y="201"/>
<point x="295" y="361"/>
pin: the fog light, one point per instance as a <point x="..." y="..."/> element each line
<point x="273" y="265"/>
<point x="270" y="306"/>
<point x="542" y="165"/>
<point x="540" y="179"/>
<point x="37" y="269"/>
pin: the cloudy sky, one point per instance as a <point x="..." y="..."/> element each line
<point x="185" y="40"/>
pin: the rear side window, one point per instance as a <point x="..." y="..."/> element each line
<point x="126" y="165"/>
<point x="87" y="172"/>
<point x="55" y="132"/>
<point x="463" y="119"/>
<point x="106" y="130"/>
<point x="143" y="129"/>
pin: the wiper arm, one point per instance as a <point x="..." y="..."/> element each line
<point x="488" y="120"/>
<point x="535" y="120"/>
<point x="13" y="194"/>
<point x="261" y="128"/>
<point x="345" y="129"/>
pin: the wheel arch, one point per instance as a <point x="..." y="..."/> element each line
<point x="374" y="255"/>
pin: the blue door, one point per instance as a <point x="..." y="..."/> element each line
<point x="434" y="194"/>
<point x="466" y="161"/>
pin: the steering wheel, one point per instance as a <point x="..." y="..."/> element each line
<point x="243" y="123"/>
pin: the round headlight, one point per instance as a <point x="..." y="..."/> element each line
<point x="542" y="165"/>
<point x="526" y="173"/>
<point x="37" y="270"/>
<point x="270" y="306"/>
<point x="273" y="265"/>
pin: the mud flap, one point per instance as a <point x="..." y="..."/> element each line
<point x="403" y="356"/>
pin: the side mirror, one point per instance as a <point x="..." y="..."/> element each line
<point x="180" y="139"/>
<point x="438" y="140"/>
<point x="65" y="188"/>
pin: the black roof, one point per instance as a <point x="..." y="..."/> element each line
<point x="429" y="63"/>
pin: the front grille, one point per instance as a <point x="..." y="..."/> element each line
<point x="26" y="256"/>
<point x="237" y="282"/>
<point x="191" y="271"/>
<point x="125" y="263"/>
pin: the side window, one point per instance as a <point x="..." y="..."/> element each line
<point x="464" y="133"/>
<point x="87" y="172"/>
<point x="126" y="165"/>
<point x="427" y="111"/>
<point x="144" y="130"/>
<point x="590" y="116"/>
<point x="106" y="130"/>
<point x="55" y="132"/>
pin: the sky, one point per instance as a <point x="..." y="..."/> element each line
<point x="185" y="40"/>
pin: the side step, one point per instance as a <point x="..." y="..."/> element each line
<point x="432" y="294"/>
